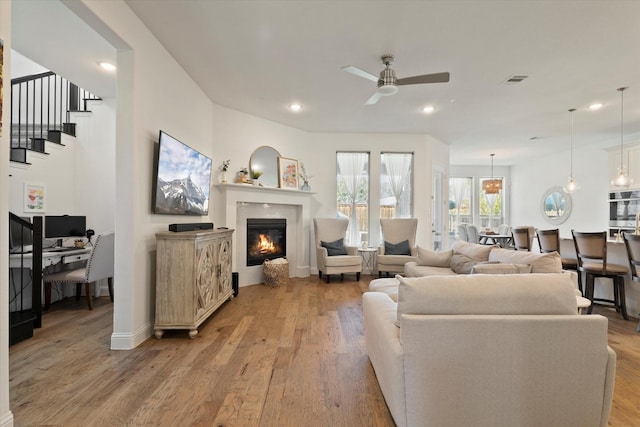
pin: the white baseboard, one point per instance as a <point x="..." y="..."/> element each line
<point x="6" y="420"/>
<point x="128" y="341"/>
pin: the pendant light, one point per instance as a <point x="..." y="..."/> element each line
<point x="623" y="179"/>
<point x="492" y="186"/>
<point x="571" y="186"/>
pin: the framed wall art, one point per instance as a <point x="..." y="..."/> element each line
<point x="34" y="198"/>
<point x="288" y="173"/>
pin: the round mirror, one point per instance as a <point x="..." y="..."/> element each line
<point x="556" y="205"/>
<point x="265" y="159"/>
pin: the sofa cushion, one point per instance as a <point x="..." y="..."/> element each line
<point x="334" y="248"/>
<point x="401" y="248"/>
<point x="411" y="269"/>
<point x="462" y="264"/>
<point x="472" y="250"/>
<point x="540" y="263"/>
<point x="487" y="294"/>
<point x="500" y="268"/>
<point x="433" y="259"/>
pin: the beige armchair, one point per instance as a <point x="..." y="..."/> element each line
<point x="332" y="230"/>
<point x="99" y="267"/>
<point x="395" y="231"/>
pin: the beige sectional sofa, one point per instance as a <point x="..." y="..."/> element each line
<point x="465" y="258"/>
<point x="489" y="350"/>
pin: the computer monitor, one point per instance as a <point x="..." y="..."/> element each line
<point x="20" y="237"/>
<point x="62" y="226"/>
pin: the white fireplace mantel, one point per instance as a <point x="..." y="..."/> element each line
<point x="231" y="197"/>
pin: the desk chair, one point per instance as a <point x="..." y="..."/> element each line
<point x="632" y="243"/>
<point x="99" y="266"/>
<point x="549" y="241"/>
<point x="591" y="250"/>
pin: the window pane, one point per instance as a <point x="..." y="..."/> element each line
<point x="396" y="177"/>
<point x="460" y="206"/>
<point x="353" y="194"/>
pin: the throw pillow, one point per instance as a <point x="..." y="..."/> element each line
<point x="334" y="248"/>
<point x="433" y="259"/>
<point x="540" y="263"/>
<point x="462" y="264"/>
<point x="473" y="250"/>
<point x="401" y="248"/>
<point x="499" y="268"/>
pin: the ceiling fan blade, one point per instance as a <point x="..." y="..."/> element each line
<point x="426" y="78"/>
<point x="374" y="98"/>
<point x="360" y="73"/>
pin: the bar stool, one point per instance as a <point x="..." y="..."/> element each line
<point x="549" y="241"/>
<point x="591" y="250"/>
<point x="632" y="243"/>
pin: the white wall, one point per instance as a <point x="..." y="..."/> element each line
<point x="153" y="93"/>
<point x="6" y="417"/>
<point x="236" y="135"/>
<point x="532" y="179"/>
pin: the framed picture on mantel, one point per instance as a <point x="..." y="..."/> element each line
<point x="288" y="173"/>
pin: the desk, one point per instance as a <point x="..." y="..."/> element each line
<point x="368" y="259"/>
<point x="502" y="240"/>
<point x="31" y="280"/>
<point x="49" y="258"/>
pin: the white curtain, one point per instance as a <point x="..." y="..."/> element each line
<point x="398" y="167"/>
<point x="351" y="166"/>
<point x="491" y="203"/>
<point x="458" y="191"/>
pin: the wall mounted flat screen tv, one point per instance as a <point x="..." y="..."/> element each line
<point x="183" y="179"/>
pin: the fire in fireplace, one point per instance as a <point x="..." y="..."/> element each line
<point x="266" y="239"/>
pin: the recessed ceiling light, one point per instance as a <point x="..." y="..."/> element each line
<point x="428" y="109"/>
<point x="295" y="107"/>
<point x="107" y="66"/>
<point x="595" y="106"/>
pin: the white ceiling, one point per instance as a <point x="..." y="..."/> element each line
<point x="259" y="56"/>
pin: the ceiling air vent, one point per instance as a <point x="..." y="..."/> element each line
<point x="516" y="78"/>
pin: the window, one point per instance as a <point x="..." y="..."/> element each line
<point x="460" y="205"/>
<point x="353" y="194"/>
<point x="490" y="206"/>
<point x="396" y="178"/>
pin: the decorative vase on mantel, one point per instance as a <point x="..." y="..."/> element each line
<point x="223" y="177"/>
<point x="305" y="186"/>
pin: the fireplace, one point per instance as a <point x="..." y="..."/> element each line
<point x="266" y="239"/>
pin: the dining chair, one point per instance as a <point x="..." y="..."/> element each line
<point x="591" y="251"/>
<point x="99" y="266"/>
<point x="522" y="238"/>
<point x="632" y="244"/>
<point x="462" y="232"/>
<point x="472" y="233"/>
<point x="549" y="241"/>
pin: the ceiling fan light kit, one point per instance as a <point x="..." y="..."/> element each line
<point x="388" y="82"/>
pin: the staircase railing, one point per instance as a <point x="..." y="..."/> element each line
<point x="40" y="109"/>
<point x="25" y="309"/>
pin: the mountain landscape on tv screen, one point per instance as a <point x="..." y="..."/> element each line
<point x="181" y="196"/>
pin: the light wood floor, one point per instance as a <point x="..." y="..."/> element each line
<point x="285" y="356"/>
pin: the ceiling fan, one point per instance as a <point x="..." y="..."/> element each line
<point x="388" y="83"/>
